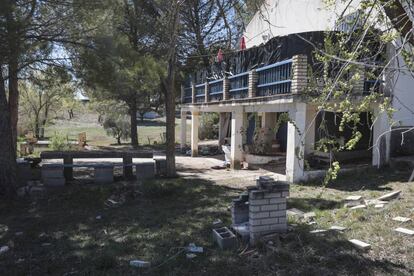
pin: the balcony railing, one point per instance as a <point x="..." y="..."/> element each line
<point x="239" y="86"/>
<point x="216" y="90"/>
<point x="188" y="95"/>
<point x="275" y="79"/>
<point x="200" y="93"/>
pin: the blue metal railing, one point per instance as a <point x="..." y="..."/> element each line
<point x="216" y="90"/>
<point x="239" y="86"/>
<point x="275" y="79"/>
<point x="200" y="93"/>
<point x="188" y="95"/>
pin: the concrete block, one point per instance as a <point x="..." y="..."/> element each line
<point x="254" y="208"/>
<point x="282" y="206"/>
<point x="145" y="170"/>
<point x="405" y="231"/>
<point x="360" y="244"/>
<point x="54" y="182"/>
<point x="258" y="215"/>
<point x="401" y="219"/>
<point x="104" y="174"/>
<point x="277" y="200"/>
<point x="225" y="238"/>
<point x="269" y="221"/>
<point x="277" y="214"/>
<point x="255" y="202"/>
<point x="273" y="195"/>
<point x="273" y="207"/>
<point x="256" y="195"/>
<point x="259" y="228"/>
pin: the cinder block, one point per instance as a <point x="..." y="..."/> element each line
<point x="255" y="222"/>
<point x="145" y="170"/>
<point x="225" y="238"/>
<point x="282" y="220"/>
<point x="256" y="195"/>
<point x="277" y="200"/>
<point x="282" y="206"/>
<point x="254" y="208"/>
<point x="54" y="182"/>
<point x="272" y="195"/>
<point x="255" y="202"/>
<point x="269" y="221"/>
<point x="104" y="174"/>
<point x="272" y="207"/>
<point x="259" y="228"/>
<point x="277" y="214"/>
<point x="259" y="215"/>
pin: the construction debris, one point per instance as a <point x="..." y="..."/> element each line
<point x="139" y="263"/>
<point x="379" y="206"/>
<point x="4" y="249"/>
<point x="401" y="219"/>
<point x="405" y="231"/>
<point x="318" y="231"/>
<point x="309" y="215"/>
<point x="360" y="244"/>
<point x="192" y="248"/>
<point x="337" y="228"/>
<point x="354" y="198"/>
<point x="370" y="202"/>
<point x="295" y="212"/>
<point x="390" y="196"/>
<point x="362" y="206"/>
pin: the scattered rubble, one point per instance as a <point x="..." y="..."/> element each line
<point x="405" y="231"/>
<point x="4" y="249"/>
<point x="295" y="212"/>
<point x="225" y="238"/>
<point x="401" y="219"/>
<point x="192" y="248"/>
<point x="190" y="256"/>
<point x="390" y="196"/>
<point x="318" y="231"/>
<point x="379" y="206"/>
<point x="360" y="244"/>
<point x="337" y="228"/>
<point x="362" y="206"/>
<point x="309" y="215"/>
<point x="140" y="264"/>
<point x="354" y="198"/>
<point x="370" y="202"/>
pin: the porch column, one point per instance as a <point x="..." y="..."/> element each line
<point x="295" y="144"/>
<point x="195" y="122"/>
<point x="381" y="139"/>
<point x="223" y="126"/>
<point x="311" y="112"/>
<point x="183" y="134"/>
<point x="236" y="139"/>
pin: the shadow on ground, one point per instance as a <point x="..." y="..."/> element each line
<point x="73" y="231"/>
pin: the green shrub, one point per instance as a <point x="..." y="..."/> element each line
<point x="209" y="126"/>
<point x="118" y="126"/>
<point x="59" y="142"/>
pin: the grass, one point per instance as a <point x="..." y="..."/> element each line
<point x="157" y="219"/>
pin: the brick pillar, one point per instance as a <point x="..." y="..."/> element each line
<point x="240" y="209"/>
<point x="226" y="88"/>
<point x="359" y="85"/>
<point x="193" y="93"/>
<point x="253" y="78"/>
<point x="267" y="208"/>
<point x="300" y="74"/>
<point x="206" y="93"/>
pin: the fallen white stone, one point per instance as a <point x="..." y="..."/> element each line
<point x="370" y="202"/>
<point x="360" y="244"/>
<point x="379" y="206"/>
<point x="362" y="206"/>
<point x="401" y="219"/>
<point x="318" y="231"/>
<point x="353" y="198"/>
<point x="405" y="231"/>
<point x="139" y="263"/>
<point x="390" y="196"/>
<point x="4" y="249"/>
<point x="337" y="228"/>
<point x="295" y="212"/>
<point x="309" y="215"/>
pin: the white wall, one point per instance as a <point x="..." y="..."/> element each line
<point x="283" y="17"/>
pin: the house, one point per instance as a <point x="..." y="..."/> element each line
<point x="267" y="81"/>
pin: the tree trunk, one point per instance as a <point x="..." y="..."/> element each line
<point x="14" y="99"/>
<point x="134" y="125"/>
<point x="118" y="140"/>
<point x="8" y="166"/>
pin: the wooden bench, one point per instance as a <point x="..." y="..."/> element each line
<point x="68" y="156"/>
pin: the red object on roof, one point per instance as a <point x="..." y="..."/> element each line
<point x="242" y="43"/>
<point x="220" y="56"/>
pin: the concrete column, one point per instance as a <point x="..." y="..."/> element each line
<point x="236" y="139"/>
<point x="226" y="88"/>
<point x="381" y="139"/>
<point x="300" y="74"/>
<point x="223" y="126"/>
<point x="253" y="78"/>
<point x="182" y="93"/>
<point x="183" y="131"/>
<point x="295" y="144"/>
<point x="195" y="123"/>
<point x="311" y="112"/>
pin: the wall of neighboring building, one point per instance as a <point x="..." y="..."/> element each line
<point x="283" y="17"/>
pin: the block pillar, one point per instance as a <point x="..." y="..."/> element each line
<point x="236" y="139"/>
<point x="206" y="92"/>
<point x="253" y="78"/>
<point x="311" y="112"/>
<point x="295" y="144"/>
<point x="223" y="128"/>
<point x="226" y="88"/>
<point x="195" y="123"/>
<point x="381" y="139"/>
<point x="193" y="93"/>
<point x="183" y="130"/>
<point x="300" y="74"/>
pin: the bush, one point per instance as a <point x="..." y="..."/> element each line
<point x="59" y="142"/>
<point x="118" y="126"/>
<point x="209" y="126"/>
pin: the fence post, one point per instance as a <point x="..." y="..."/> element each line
<point x="193" y="93"/>
<point x="206" y="93"/>
<point x="226" y="88"/>
<point x="300" y="74"/>
<point x="253" y="78"/>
